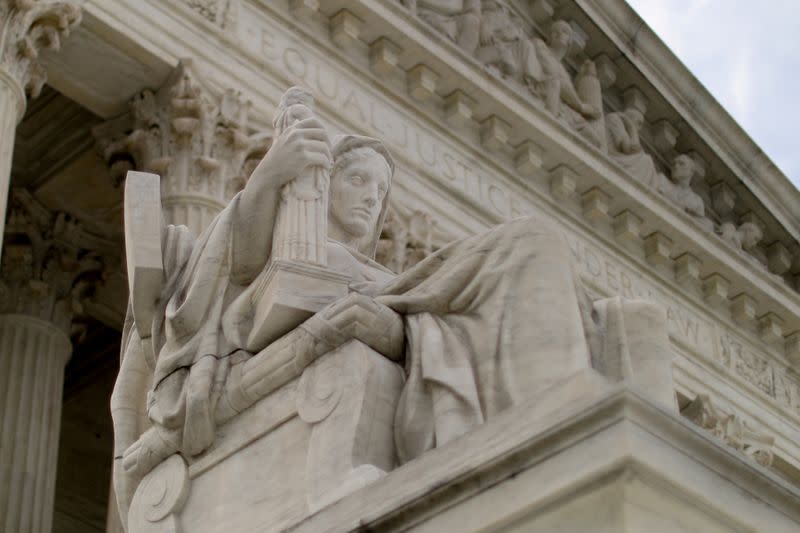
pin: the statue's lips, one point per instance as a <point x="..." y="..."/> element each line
<point x="363" y="212"/>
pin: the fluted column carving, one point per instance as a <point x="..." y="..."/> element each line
<point x="27" y="27"/>
<point x="200" y="143"/>
<point x="46" y="272"/>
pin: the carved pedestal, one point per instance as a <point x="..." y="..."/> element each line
<point x="33" y="353"/>
<point x="315" y="440"/>
<point x="349" y="398"/>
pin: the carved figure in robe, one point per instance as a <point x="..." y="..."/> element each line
<point x="539" y="66"/>
<point x="678" y="188"/>
<point x="473" y="323"/>
<point x="625" y="146"/>
<point x="458" y="19"/>
<point x="744" y="238"/>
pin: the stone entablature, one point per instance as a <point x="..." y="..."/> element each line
<point x="594" y="199"/>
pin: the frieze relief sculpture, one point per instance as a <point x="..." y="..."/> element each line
<point x="678" y="188"/>
<point x="416" y="360"/>
<point x="459" y="20"/>
<point x="538" y="66"/>
<point x="501" y="40"/>
<point x="732" y="429"/>
<point x="625" y="145"/>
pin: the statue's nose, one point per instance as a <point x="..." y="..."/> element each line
<point x="371" y="196"/>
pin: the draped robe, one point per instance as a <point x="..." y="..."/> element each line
<point x="489" y="320"/>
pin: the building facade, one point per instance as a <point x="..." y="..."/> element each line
<point x="570" y="110"/>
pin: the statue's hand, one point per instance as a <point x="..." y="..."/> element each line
<point x="589" y="111"/>
<point x="302" y="145"/>
<point x="374" y="324"/>
<point x="147" y="452"/>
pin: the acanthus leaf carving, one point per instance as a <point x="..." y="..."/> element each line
<point x="30" y="27"/>
<point x="200" y="142"/>
<point x="50" y="263"/>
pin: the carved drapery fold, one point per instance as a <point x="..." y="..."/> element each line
<point x="200" y="143"/>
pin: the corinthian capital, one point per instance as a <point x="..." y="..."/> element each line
<point x="199" y="140"/>
<point x="49" y="263"/>
<point x="29" y="27"/>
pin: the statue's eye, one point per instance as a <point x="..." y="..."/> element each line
<point x="356" y="180"/>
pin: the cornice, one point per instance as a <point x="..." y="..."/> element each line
<point x="702" y="112"/>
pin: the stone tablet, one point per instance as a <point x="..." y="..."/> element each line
<point x="143" y="246"/>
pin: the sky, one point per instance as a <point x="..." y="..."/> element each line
<point x="747" y="54"/>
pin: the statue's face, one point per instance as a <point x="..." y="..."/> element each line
<point x="682" y="169"/>
<point x="636" y="117"/>
<point x="560" y="34"/>
<point x="751" y="234"/>
<point x="357" y="191"/>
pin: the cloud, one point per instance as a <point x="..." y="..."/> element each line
<point x="748" y="59"/>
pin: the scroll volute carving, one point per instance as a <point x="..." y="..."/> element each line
<point x="30" y="27"/>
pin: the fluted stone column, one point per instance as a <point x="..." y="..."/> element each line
<point x="43" y="280"/>
<point x="33" y="354"/>
<point x="26" y="28"/>
<point x="199" y="142"/>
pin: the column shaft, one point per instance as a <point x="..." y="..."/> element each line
<point x="12" y="105"/>
<point x="33" y="354"/>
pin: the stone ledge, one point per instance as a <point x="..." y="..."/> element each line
<point x="603" y="435"/>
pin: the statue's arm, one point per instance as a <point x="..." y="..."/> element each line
<point x="305" y="144"/>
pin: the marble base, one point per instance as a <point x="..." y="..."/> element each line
<point x="585" y="456"/>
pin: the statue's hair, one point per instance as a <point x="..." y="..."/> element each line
<point x="293" y="96"/>
<point x="562" y="22"/>
<point x="347" y="148"/>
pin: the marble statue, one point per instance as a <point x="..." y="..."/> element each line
<point x="538" y="64"/>
<point x="678" y="188"/>
<point x="625" y="147"/>
<point x="474" y="328"/>
<point x="744" y="237"/>
<point x="457" y="19"/>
